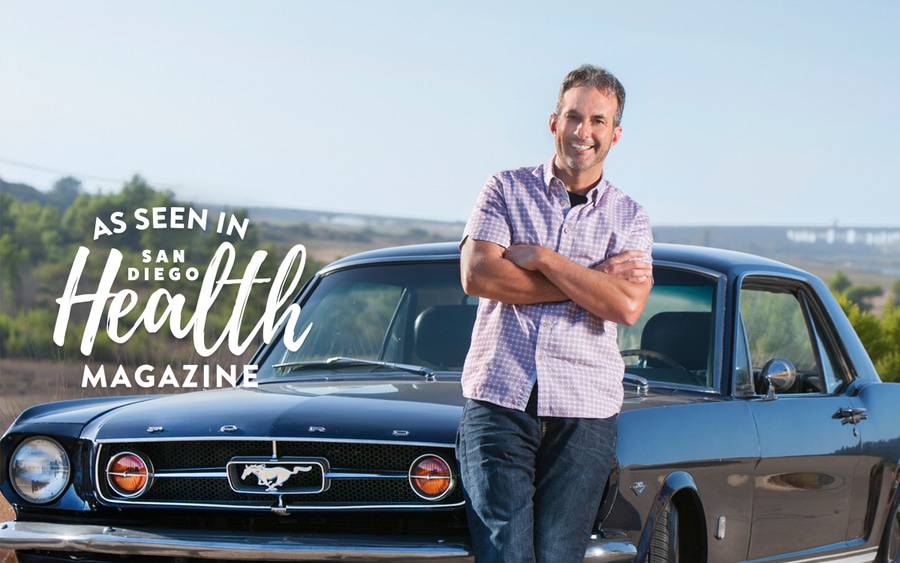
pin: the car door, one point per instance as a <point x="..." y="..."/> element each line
<point x="809" y="445"/>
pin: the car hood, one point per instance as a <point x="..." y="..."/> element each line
<point x="662" y="397"/>
<point x="384" y="409"/>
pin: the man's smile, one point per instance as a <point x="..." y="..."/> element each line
<point x="582" y="148"/>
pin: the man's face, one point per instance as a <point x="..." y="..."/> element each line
<point x="584" y="129"/>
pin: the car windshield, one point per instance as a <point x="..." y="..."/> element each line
<point x="399" y="314"/>
<point x="414" y="318"/>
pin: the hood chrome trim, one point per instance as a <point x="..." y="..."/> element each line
<point x="269" y="439"/>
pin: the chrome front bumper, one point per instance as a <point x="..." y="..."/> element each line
<point x="270" y="547"/>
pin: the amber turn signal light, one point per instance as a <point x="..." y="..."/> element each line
<point x="430" y="477"/>
<point x="128" y="474"/>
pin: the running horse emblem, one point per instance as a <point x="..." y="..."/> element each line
<point x="272" y="477"/>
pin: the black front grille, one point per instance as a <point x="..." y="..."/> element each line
<point x="194" y="454"/>
<point x="212" y="456"/>
<point x="349" y="455"/>
<point x="201" y="490"/>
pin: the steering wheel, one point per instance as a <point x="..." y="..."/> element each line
<point x="662" y="358"/>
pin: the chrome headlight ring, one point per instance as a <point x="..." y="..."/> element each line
<point x="39" y="469"/>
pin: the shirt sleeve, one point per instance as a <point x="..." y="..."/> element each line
<point x="490" y="218"/>
<point x="640" y="236"/>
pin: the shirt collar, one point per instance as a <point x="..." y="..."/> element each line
<point x="593" y="194"/>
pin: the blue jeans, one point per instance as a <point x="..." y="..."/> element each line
<point x="532" y="485"/>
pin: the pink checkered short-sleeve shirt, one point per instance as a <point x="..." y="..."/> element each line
<point x="569" y="351"/>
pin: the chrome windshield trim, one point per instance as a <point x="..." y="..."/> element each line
<point x="383" y="260"/>
<point x="715" y="274"/>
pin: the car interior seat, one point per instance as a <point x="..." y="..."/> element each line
<point x="683" y="336"/>
<point x="442" y="334"/>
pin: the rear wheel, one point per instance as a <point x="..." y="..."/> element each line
<point x="664" y="539"/>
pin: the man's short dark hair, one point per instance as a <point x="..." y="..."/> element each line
<point x="599" y="78"/>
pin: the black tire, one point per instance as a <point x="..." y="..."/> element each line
<point x="890" y="543"/>
<point x="664" y="539"/>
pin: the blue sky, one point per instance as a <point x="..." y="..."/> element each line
<point x="737" y="113"/>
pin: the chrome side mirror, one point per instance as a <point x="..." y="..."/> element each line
<point x="780" y="375"/>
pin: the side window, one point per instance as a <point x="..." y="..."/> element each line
<point x="672" y="341"/>
<point x="777" y="325"/>
<point x="743" y="375"/>
<point x="827" y="357"/>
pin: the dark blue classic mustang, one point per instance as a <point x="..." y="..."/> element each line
<point x="754" y="429"/>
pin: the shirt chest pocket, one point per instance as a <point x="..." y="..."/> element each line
<point x="535" y="226"/>
<point x="590" y="244"/>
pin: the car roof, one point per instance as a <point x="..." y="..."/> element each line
<point x="727" y="262"/>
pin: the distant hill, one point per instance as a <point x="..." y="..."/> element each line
<point x="335" y="220"/>
<point x="860" y="249"/>
<point x="22" y="192"/>
<point x="333" y="233"/>
<point x="64" y="192"/>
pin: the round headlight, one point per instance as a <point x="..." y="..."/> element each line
<point x="129" y="474"/>
<point x="39" y="470"/>
<point x="430" y="477"/>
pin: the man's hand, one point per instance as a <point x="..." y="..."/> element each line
<point x="486" y="273"/>
<point x="611" y="296"/>
<point x="628" y="266"/>
<point x="614" y="290"/>
<point x="525" y="256"/>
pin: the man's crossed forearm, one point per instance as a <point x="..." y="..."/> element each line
<point x="616" y="290"/>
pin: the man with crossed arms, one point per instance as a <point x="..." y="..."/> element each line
<point x="559" y="256"/>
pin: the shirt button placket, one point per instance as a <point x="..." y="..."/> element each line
<point x="538" y="353"/>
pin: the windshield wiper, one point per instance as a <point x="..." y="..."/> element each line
<point x="340" y="361"/>
<point x="640" y="383"/>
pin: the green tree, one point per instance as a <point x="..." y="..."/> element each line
<point x="64" y="192"/>
<point x="12" y="260"/>
<point x="894" y="298"/>
<point x="840" y="282"/>
<point x="888" y="365"/>
<point x="861" y="294"/>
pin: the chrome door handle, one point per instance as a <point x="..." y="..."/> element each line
<point x="850" y="415"/>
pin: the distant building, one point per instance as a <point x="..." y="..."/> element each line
<point x="847" y="235"/>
